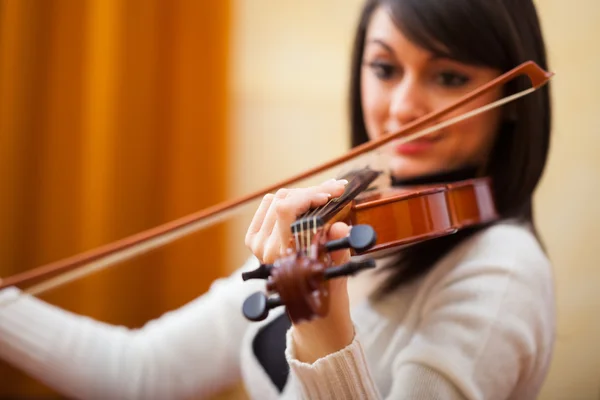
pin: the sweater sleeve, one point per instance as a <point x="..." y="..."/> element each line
<point x="193" y="350"/>
<point x="345" y="375"/>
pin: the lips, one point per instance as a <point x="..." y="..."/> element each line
<point x="415" y="146"/>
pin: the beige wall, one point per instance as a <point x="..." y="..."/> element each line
<point x="289" y="64"/>
<point x="289" y="91"/>
<point x="568" y="214"/>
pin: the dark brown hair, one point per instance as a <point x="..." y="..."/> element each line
<point x="494" y="33"/>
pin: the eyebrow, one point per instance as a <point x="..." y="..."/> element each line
<point x="381" y="43"/>
<point x="432" y="57"/>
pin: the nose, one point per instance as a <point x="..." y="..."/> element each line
<point x="407" y="102"/>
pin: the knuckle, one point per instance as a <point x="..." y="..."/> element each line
<point x="268" y="197"/>
<point x="255" y="247"/>
<point x="270" y="252"/>
<point x="281" y="207"/>
<point x="248" y="240"/>
<point x="282" y="193"/>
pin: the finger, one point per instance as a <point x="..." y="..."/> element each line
<point x="337" y="231"/>
<point x="286" y="211"/>
<point x="264" y="226"/>
<point x="299" y="201"/>
<point x="272" y="248"/>
<point x="291" y="208"/>
<point x="259" y="239"/>
<point x="259" y="216"/>
<point x="335" y="187"/>
<point x="263" y="220"/>
<point x="252" y="240"/>
<point x="270" y="219"/>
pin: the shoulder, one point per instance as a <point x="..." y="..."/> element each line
<point x="509" y="249"/>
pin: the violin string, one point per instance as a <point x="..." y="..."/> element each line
<point x="171" y="236"/>
<point x="306" y="237"/>
<point x="309" y="237"/>
<point x="317" y="211"/>
<point x="314" y="231"/>
<point x="303" y="237"/>
<point x="302" y="241"/>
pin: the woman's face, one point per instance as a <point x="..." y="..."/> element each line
<point x="401" y="82"/>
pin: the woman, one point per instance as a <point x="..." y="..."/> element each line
<point x="467" y="316"/>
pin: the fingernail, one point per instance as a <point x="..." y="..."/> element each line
<point x="343" y="181"/>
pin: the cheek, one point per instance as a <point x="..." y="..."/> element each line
<point x="478" y="133"/>
<point x="373" y="106"/>
<point x="474" y="137"/>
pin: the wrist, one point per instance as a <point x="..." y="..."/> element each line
<point x="321" y="337"/>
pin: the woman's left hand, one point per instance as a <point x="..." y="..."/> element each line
<point x="268" y="236"/>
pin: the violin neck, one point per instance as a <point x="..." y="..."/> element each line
<point x="358" y="181"/>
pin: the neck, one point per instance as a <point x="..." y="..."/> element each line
<point x="444" y="177"/>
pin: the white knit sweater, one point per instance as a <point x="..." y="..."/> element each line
<point x="480" y="325"/>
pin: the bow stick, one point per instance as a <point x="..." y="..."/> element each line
<point x="66" y="270"/>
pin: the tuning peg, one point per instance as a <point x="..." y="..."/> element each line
<point x="349" y="268"/>
<point x="360" y="238"/>
<point x="262" y="272"/>
<point x="256" y="307"/>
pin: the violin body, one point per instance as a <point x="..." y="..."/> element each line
<point x="409" y="215"/>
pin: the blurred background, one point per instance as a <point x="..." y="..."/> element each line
<point x="120" y="115"/>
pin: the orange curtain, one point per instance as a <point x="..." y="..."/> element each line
<point x="112" y="121"/>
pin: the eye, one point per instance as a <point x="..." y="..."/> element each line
<point x="382" y="70"/>
<point x="452" y="79"/>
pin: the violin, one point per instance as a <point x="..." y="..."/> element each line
<point x="380" y="220"/>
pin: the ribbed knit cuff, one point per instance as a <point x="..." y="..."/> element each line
<point x="340" y="375"/>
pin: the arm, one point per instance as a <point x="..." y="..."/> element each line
<point x="190" y="351"/>
<point x="481" y="332"/>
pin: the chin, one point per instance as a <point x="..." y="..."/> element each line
<point x="402" y="168"/>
